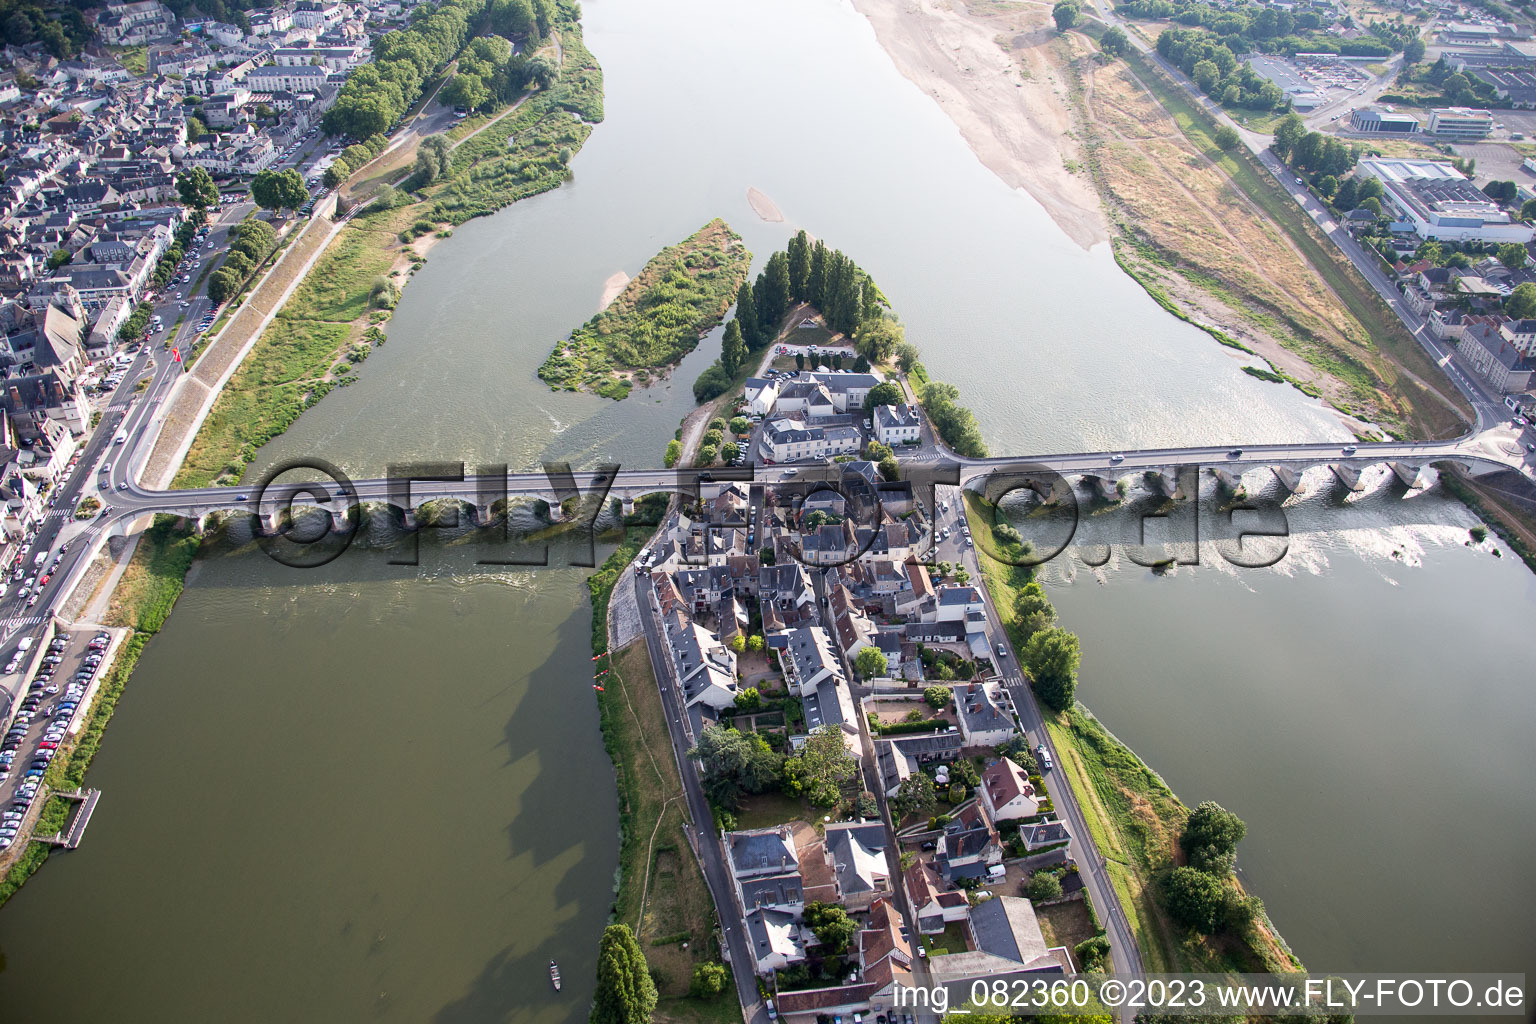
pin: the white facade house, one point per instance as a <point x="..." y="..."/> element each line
<point x="897" y="424"/>
<point x="793" y="441"/>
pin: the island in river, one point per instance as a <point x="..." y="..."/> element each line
<point x="682" y="294"/>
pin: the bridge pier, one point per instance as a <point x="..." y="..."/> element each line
<point x="1290" y="479"/>
<point x="1228" y="481"/>
<point x="1101" y="487"/>
<point x="1163" y="483"/>
<point x="1348" y="475"/>
<point x="1409" y="474"/>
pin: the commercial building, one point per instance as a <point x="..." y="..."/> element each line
<point x="1434" y="200"/>
<point x="1461" y="123"/>
<point x="1381" y="122"/>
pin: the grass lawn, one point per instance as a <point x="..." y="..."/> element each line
<point x="1066" y="924"/>
<point x="952" y="940"/>
<point x="768" y="809"/>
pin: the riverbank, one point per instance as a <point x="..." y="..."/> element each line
<point x="1134" y="817"/>
<point x="145" y="595"/>
<point x="338" y="313"/>
<point x="682" y="293"/>
<point x="661" y="892"/>
<point x="1009" y="104"/>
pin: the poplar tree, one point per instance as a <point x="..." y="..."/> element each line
<point x="746" y="315"/>
<point x="772" y="294"/>
<point x="799" y="265"/>
<point x="816" y="280"/>
<point x="625" y="992"/>
<point x="733" y="350"/>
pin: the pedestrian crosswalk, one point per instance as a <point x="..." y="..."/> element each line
<point x="22" y="621"/>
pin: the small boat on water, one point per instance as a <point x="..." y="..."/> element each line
<point x="554" y="975"/>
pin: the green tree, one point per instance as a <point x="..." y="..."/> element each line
<point x="1413" y="52"/>
<point x="1528" y="210"/>
<point x="1065" y="12"/>
<point x="915" y="795"/>
<point x="279" y="190"/>
<point x="1210" y="837"/>
<point x="733" y="350"/>
<point x="58" y="258"/>
<point x="337" y="173"/>
<point x="749" y="699"/>
<point x="1194" y="899"/>
<point x="625" y="992"/>
<point x="223" y="285"/>
<point x="1043" y="885"/>
<point x="1052" y="656"/>
<point x="195" y="188"/>
<point x="831" y="925"/>
<point x="712" y="383"/>
<point x="1206" y="74"/>
<point x="1521" y="304"/>
<point x="1226" y="137"/>
<point x="755" y="643"/>
<point x="730" y="450"/>
<point x="876" y="338"/>
<point x="709" y="980"/>
<point x="772" y="295"/>
<point x="1328" y="186"/>
<point x="938" y="697"/>
<point x="740" y="425"/>
<point x="820" y="767"/>
<point x="1033" y="609"/>
<point x="1512" y="255"/>
<point x="1114" y="42"/>
<point x="732" y="764"/>
<point x="746" y="314"/>
<point x="799" y="267"/>
<point x="870" y="663"/>
<point x="739" y="645"/>
<point x="1287" y="134"/>
<point x="467" y="91"/>
<point x="816" y="279"/>
<point x="1348" y="196"/>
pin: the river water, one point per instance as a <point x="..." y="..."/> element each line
<point x="378" y="792"/>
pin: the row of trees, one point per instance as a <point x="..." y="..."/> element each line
<point x="1248" y="28"/>
<point x="1313" y="152"/>
<point x="955" y="423"/>
<point x="166" y="268"/>
<point x="254" y="241"/>
<point x="1051" y="654"/>
<point x="734" y="764"/>
<point x="1217" y="71"/>
<point x="355" y="156"/>
<point x="379" y="93"/>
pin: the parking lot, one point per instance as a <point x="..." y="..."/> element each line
<point x="48" y="718"/>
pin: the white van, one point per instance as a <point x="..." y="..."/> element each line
<point x="122" y="435"/>
<point x="25" y="644"/>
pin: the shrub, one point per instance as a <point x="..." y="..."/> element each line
<point x="937" y="696"/>
<point x="1043" y="885"/>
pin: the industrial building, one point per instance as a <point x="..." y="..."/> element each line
<point x="1461" y="123"/>
<point x="1383" y="122"/>
<point x="1434" y="200"/>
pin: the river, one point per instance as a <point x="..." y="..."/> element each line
<point x="377" y="792"/>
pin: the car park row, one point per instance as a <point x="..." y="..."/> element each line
<point x="42" y="723"/>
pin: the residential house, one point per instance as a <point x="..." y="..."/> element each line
<point x="982" y="722"/>
<point x="1007" y="792"/>
<point x="897" y="424"/>
<point x="934" y="907"/>
<point x="1005" y="937"/>
<point x="705" y="667"/>
<point x="856" y="851"/>
<point x="968" y="845"/>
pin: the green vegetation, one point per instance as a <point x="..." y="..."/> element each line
<point x="143" y="600"/>
<point x="61" y="28"/>
<point x="1377" y="366"/>
<point x="279" y="190"/>
<point x="254" y="242"/>
<point x="683" y="292"/>
<point x="955" y="423"/>
<point x="625" y="992"/>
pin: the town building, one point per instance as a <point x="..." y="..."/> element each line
<point x="1381" y="122"/>
<point x="1461" y="123"/>
<point x="897" y="424"/>
<point x="1434" y="200"/>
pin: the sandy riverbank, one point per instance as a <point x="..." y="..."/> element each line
<point x="612" y="287"/>
<point x="1009" y="104"/>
